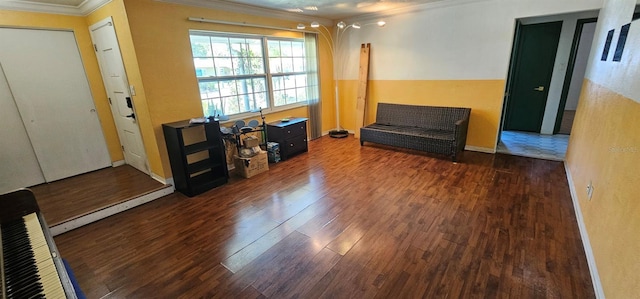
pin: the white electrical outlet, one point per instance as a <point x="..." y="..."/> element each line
<point x="590" y="190"/>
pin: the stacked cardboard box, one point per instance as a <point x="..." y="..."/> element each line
<point x="248" y="167"/>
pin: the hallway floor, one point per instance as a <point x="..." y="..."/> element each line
<point x="526" y="144"/>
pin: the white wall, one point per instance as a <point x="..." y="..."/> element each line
<point x="619" y="76"/>
<point x="456" y="40"/>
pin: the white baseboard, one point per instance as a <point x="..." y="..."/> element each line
<point x="591" y="260"/>
<point x="480" y="149"/>
<point x="117" y="163"/>
<point x="106" y="212"/>
<point x="167" y="181"/>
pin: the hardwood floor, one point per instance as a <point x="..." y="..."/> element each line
<point x="80" y="195"/>
<point x="345" y="221"/>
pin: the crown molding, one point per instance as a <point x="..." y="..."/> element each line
<point x="411" y="9"/>
<point x="251" y="10"/>
<point x="85" y="8"/>
<point x="89" y="6"/>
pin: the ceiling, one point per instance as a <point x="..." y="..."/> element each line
<point x="298" y="9"/>
<point x="67" y="7"/>
<point x="332" y="9"/>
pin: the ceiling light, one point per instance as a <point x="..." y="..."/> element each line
<point x="341" y="25"/>
<point x="295" y="10"/>
<point x="301" y="26"/>
<point x="315" y="24"/>
<point x="381" y="23"/>
<point x="356" y="25"/>
<point x="311" y="8"/>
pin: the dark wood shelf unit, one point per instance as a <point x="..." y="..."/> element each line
<point x="291" y="135"/>
<point x="203" y="165"/>
<point x="197" y="147"/>
<point x="193" y="178"/>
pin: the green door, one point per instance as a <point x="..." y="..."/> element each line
<point x="536" y="53"/>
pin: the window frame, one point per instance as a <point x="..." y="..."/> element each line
<point x="268" y="75"/>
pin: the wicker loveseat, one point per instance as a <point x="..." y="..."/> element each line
<point x="441" y="130"/>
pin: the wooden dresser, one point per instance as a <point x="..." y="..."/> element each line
<point x="291" y="135"/>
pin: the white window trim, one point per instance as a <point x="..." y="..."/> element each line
<point x="268" y="75"/>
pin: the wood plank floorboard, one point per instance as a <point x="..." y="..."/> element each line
<point x="345" y="221"/>
<point x="79" y="195"/>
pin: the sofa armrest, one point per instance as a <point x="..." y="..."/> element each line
<point x="462" y="126"/>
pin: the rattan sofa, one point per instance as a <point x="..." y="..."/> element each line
<point x="440" y="130"/>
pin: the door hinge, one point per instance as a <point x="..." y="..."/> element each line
<point x="123" y="148"/>
<point x="110" y="101"/>
<point x="95" y="47"/>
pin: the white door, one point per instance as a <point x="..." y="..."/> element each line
<point x="19" y="164"/>
<point x="46" y="76"/>
<point x="115" y="80"/>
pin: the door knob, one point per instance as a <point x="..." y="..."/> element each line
<point x="539" y="88"/>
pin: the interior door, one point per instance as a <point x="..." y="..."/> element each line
<point x="46" y="76"/>
<point x="115" y="80"/>
<point x="20" y="166"/>
<point x="536" y="54"/>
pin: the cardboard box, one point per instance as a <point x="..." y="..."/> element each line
<point x="251" y="141"/>
<point x="248" y="167"/>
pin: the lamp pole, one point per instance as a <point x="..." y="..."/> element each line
<point x="334" y="45"/>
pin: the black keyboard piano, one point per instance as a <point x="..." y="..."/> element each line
<point x="29" y="261"/>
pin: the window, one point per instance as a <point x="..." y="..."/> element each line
<point x="288" y="71"/>
<point x="236" y="75"/>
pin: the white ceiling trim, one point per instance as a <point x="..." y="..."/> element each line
<point x="85" y="8"/>
<point x="251" y="10"/>
<point x="89" y="6"/>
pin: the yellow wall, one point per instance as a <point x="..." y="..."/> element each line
<point x="161" y="50"/>
<point x="605" y="149"/>
<point x="484" y="97"/>
<point x="79" y="26"/>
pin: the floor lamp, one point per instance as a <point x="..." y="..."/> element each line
<point x="334" y="45"/>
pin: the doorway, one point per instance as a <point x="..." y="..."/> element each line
<point x="536" y="136"/>
<point x="535" y="56"/>
<point x="119" y="91"/>
<point x="583" y="38"/>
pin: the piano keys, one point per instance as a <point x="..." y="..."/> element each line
<point x="29" y="262"/>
